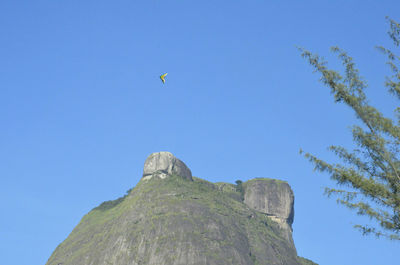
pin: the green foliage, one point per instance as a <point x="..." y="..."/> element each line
<point x="239" y="188"/>
<point x="277" y="181"/>
<point x="109" y="204"/>
<point x="304" y="261"/>
<point x="371" y="172"/>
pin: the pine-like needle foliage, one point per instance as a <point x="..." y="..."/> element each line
<point x="371" y="173"/>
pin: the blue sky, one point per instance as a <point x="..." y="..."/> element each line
<point x="82" y="106"/>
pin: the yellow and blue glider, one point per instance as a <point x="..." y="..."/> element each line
<point x="163" y="77"/>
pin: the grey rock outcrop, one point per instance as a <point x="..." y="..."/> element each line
<point x="274" y="198"/>
<point x="162" y="164"/>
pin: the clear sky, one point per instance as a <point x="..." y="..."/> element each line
<point x="82" y="106"/>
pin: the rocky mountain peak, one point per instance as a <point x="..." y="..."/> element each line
<point x="172" y="218"/>
<point x="162" y="164"/>
<point x="274" y="198"/>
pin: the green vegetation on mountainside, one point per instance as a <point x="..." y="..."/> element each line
<point x="164" y="220"/>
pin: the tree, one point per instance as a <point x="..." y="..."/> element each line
<point x="239" y="188"/>
<point x="370" y="174"/>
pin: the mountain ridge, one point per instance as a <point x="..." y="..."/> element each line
<point x="170" y="219"/>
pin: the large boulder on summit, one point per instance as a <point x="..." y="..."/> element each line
<point x="162" y="164"/>
<point x="274" y="198"/>
<point x="270" y="196"/>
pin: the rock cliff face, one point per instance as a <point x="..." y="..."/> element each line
<point x="274" y="198"/>
<point x="171" y="217"/>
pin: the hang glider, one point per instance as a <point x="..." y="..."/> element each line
<point x="163" y="77"/>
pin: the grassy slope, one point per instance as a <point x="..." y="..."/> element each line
<point x="157" y="216"/>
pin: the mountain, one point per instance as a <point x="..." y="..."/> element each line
<point x="171" y="217"/>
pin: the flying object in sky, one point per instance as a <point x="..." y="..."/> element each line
<point x="163" y="77"/>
